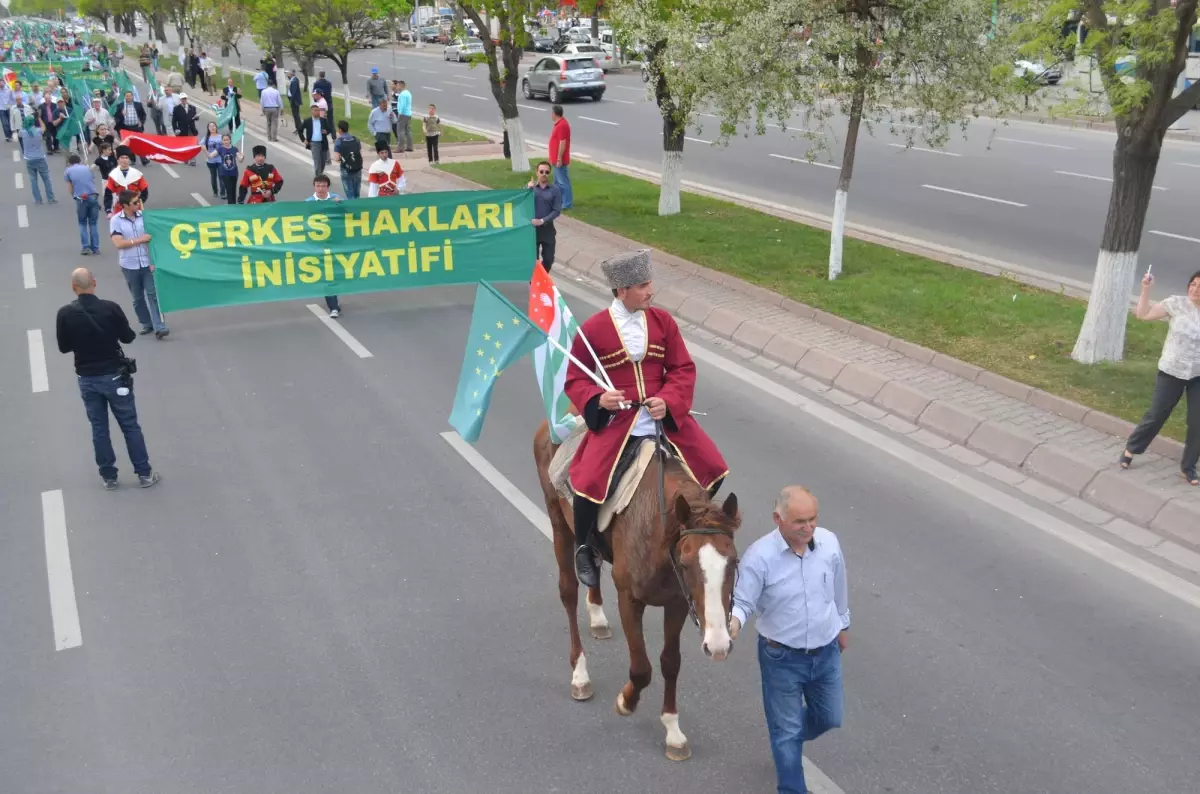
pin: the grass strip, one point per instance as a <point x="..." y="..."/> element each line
<point x="1012" y="329"/>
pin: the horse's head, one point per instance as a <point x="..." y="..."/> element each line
<point x="703" y="539"/>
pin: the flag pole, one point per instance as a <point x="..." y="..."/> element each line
<point x="595" y="378"/>
<point x="596" y="358"/>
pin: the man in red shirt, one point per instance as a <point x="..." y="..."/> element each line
<point x="560" y="155"/>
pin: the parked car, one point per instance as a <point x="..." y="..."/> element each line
<point x="462" y="50"/>
<point x="559" y="77"/>
<point x="1038" y="72"/>
<point x="602" y="58"/>
<point x="431" y="34"/>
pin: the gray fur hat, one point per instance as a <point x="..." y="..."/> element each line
<point x="628" y="268"/>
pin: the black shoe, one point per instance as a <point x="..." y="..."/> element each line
<point x="587" y="567"/>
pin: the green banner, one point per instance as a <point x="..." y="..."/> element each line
<point x="253" y="253"/>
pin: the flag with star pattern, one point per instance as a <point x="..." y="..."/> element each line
<point x="500" y="334"/>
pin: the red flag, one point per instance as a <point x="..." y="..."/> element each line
<point x="162" y="148"/>
<point x="542" y="303"/>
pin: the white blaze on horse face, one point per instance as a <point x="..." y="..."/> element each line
<point x="714" y="565"/>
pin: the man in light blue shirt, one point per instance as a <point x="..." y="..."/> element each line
<point x="380" y="122"/>
<point x="321" y="193"/>
<point x="794" y="580"/>
<point x="403" y="118"/>
<point x="133" y="255"/>
<point x="87" y="204"/>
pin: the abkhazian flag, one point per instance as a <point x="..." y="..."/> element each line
<point x="225" y="117"/>
<point x="549" y="311"/>
<point x="500" y="334"/>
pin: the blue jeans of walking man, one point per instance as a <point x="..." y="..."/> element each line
<point x="145" y="298"/>
<point x="38" y="167"/>
<point x="802" y="698"/>
<point x="99" y="394"/>
<point x="563" y="180"/>
<point x="87" y="212"/>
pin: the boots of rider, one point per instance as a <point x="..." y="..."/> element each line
<point x="587" y="567"/>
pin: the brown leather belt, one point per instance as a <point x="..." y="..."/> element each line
<point x="805" y="651"/>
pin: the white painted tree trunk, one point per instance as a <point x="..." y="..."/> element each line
<point x="837" y="233"/>
<point x="516" y="145"/>
<point x="348" y="110"/>
<point x="1102" y="337"/>
<point x="672" y="177"/>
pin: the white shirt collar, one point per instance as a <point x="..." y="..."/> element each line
<point x="620" y="312"/>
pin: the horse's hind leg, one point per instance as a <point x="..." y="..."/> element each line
<point x="597" y="621"/>
<point x="639" y="663"/>
<point x="674" y="619"/>
<point x="568" y="592"/>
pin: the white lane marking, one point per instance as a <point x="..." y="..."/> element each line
<point x="627" y="88"/>
<point x="457" y="82"/>
<point x="19" y="179"/>
<point x="975" y="195"/>
<point x="715" y="567"/>
<point x="599" y="121"/>
<point x="698" y="140"/>
<point x="531" y="107"/>
<point x="922" y="149"/>
<point x="472" y="96"/>
<point x="203" y="202"/>
<point x="22" y="216"/>
<point x="37" y="361"/>
<point x="1096" y="178"/>
<point x="623" y="101"/>
<point x="817" y="780"/>
<point x="1037" y="143"/>
<point x="427" y="71"/>
<point x="802" y="161"/>
<point x="512" y="493"/>
<point x="1176" y="236"/>
<point x="1120" y="559"/>
<point x="1188" y="165"/>
<point x="16" y="155"/>
<point x="429" y="88"/>
<point x="174" y="174"/>
<point x="27" y="272"/>
<point x="341" y="333"/>
<point x="64" y="611"/>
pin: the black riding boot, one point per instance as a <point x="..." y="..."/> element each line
<point x="587" y="563"/>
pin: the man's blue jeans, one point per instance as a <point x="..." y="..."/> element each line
<point x="351" y="183"/>
<point x="145" y="298"/>
<point x="802" y="698"/>
<point x="99" y="394"/>
<point x="87" y="212"/>
<point x="36" y="167"/>
<point x="563" y="180"/>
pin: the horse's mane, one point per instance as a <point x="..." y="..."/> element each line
<point x="644" y="509"/>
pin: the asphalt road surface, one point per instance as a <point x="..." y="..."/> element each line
<point x="1030" y="194"/>
<point x="323" y="595"/>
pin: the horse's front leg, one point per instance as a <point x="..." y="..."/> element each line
<point x="597" y="621"/>
<point x="640" y="672"/>
<point x="674" y="619"/>
<point x="568" y="593"/>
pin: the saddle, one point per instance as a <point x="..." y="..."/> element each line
<point x="631" y="465"/>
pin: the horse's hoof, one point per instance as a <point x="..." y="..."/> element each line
<point x="679" y="753"/>
<point x="581" y="692"/>
<point x="601" y="632"/>
<point x="620" y="705"/>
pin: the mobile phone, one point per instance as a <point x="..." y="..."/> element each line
<point x="1149" y="267"/>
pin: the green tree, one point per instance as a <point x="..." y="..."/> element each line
<point x="503" y="62"/>
<point x="1140" y="49"/>
<point x="224" y="22"/>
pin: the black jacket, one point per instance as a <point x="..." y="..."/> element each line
<point x="95" y="344"/>
<point x="326" y="89"/>
<point x="183" y="120"/>
<point x="119" y="115"/>
<point x="326" y="131"/>
<point x="293" y="91"/>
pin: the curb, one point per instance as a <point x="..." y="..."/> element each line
<point x="1082" y="123"/>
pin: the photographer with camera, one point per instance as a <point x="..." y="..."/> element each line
<point x="93" y="329"/>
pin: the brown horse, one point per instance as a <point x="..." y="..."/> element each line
<point x="698" y="531"/>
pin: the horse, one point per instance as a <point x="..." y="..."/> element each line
<point x="683" y="559"/>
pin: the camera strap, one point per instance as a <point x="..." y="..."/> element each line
<point x="120" y="351"/>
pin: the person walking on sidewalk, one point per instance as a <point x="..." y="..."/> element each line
<point x="272" y="105"/>
<point x="295" y="97"/>
<point x="317" y="134"/>
<point x="431" y="125"/>
<point x="94" y="329"/>
<point x="347" y="152"/>
<point x="133" y="255"/>
<point x="547" y="205"/>
<point x="33" y="145"/>
<point x="404" y="142"/>
<point x="377" y="90"/>
<point x="794" y="580"/>
<point x="227" y="170"/>
<point x="321" y="193"/>
<point x="381" y="121"/>
<point x="87" y="204"/>
<point x="560" y="154"/>
<point x="1178" y="373"/>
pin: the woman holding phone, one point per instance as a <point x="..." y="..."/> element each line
<point x="1178" y="373"/>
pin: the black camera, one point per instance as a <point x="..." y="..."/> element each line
<point x="126" y="369"/>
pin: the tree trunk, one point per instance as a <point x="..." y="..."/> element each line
<point x="1102" y="336"/>
<point x="672" y="165"/>
<point x="596" y="25"/>
<point x="343" y="66"/>
<point x="159" y="26"/>
<point x="516" y="144"/>
<point x="842" y="196"/>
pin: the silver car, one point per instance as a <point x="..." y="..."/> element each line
<point x="559" y="77"/>
<point x="462" y="50"/>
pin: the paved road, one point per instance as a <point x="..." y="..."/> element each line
<point x="1030" y="194"/>
<point x="323" y="595"/>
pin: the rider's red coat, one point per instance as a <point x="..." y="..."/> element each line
<point x="667" y="371"/>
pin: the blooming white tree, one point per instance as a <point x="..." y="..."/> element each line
<point x="503" y="59"/>
<point x="916" y="66"/>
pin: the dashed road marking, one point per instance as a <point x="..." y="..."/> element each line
<point x="64" y="611"/>
<point x="802" y="161"/>
<point x="975" y="195"/>
<point x="341" y="333"/>
<point x="1175" y="236"/>
<point x="1095" y="178"/>
<point x="1038" y="143"/>
<point x="27" y="272"/>
<point x="19" y="179"/>
<point x="599" y="121"/>
<point x="22" y="216"/>
<point x="203" y="202"/>
<point x="38" y="377"/>
<point x="922" y="149"/>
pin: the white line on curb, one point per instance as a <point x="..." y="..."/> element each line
<point x="203" y="202"/>
<point x="802" y="161"/>
<point x="64" y="611"/>
<point x="1176" y="236"/>
<point x="27" y="272"/>
<point x="1037" y="143"/>
<point x="22" y="216"/>
<point x="975" y="195"/>
<point x="19" y="179"/>
<point x="599" y="121"/>
<point x="340" y="332"/>
<point x="37" y="361"/>
<point x="1096" y="178"/>
<point x="174" y="174"/>
<point x="921" y="149"/>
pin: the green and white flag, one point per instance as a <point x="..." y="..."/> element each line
<point x="549" y="311"/>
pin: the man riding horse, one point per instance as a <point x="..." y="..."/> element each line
<point x="654" y="378"/>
